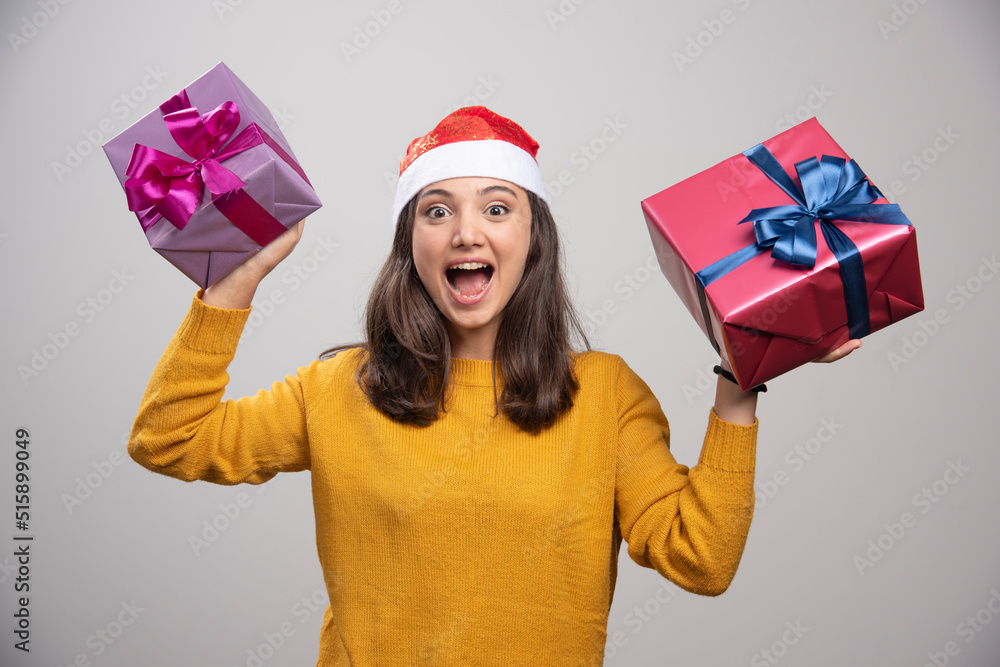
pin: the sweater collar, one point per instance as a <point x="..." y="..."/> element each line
<point x="474" y="372"/>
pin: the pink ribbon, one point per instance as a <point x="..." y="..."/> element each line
<point x="161" y="185"/>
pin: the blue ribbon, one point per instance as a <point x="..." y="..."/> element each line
<point x="832" y="189"/>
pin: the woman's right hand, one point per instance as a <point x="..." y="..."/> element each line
<point x="236" y="290"/>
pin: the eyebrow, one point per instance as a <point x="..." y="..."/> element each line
<point x="497" y="188"/>
<point x="439" y="192"/>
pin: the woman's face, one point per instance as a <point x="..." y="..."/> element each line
<point x="470" y="244"/>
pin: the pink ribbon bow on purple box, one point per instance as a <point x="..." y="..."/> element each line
<point x="176" y="153"/>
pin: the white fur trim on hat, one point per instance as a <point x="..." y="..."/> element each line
<point x="486" y="158"/>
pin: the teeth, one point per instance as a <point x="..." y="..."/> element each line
<point x="470" y="265"/>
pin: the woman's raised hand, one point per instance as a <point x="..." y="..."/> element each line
<point x="236" y="290"/>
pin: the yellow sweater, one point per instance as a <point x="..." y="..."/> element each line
<point x="467" y="542"/>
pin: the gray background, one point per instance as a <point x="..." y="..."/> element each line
<point x="886" y="80"/>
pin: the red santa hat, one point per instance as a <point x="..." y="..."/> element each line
<point x="472" y="141"/>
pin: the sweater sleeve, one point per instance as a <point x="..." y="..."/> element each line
<point x="183" y="428"/>
<point x="689" y="525"/>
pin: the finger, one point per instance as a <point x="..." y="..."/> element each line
<point x="840" y="352"/>
<point x="284" y="244"/>
<point x="299" y="226"/>
<point x="293" y="233"/>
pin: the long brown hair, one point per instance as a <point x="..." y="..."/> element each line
<point x="405" y="369"/>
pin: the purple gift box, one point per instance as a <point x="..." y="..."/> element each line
<point x="210" y="176"/>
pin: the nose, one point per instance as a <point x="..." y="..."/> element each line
<point x="468" y="229"/>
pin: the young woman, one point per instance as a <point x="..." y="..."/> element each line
<point x="473" y="477"/>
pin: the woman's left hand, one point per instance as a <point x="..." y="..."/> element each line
<point x="840" y="352"/>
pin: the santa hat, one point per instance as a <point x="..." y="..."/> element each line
<point x="472" y="141"/>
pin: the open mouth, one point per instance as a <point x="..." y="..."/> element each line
<point x="469" y="279"/>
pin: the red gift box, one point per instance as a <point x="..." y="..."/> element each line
<point x="736" y="243"/>
<point x="210" y="176"/>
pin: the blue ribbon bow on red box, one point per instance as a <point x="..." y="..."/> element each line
<point x="832" y="189"/>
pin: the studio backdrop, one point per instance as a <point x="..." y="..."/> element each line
<point x="874" y="540"/>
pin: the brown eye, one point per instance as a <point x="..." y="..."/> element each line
<point x="497" y="209"/>
<point x="436" y="212"/>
